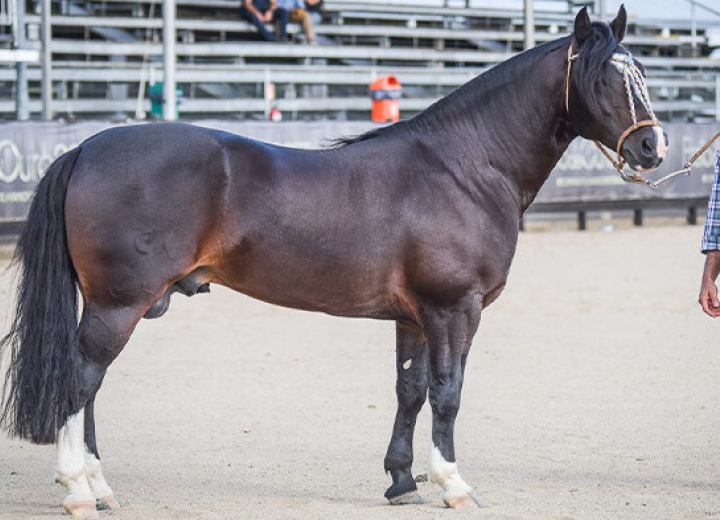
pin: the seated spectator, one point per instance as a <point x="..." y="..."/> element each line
<point x="315" y="8"/>
<point x="298" y="13"/>
<point x="260" y="12"/>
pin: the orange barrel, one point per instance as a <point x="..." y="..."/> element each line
<point x="385" y="93"/>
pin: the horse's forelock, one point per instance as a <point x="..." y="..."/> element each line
<point x="595" y="52"/>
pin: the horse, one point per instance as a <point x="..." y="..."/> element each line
<point x="415" y="222"/>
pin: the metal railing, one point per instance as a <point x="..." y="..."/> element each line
<point x="681" y="85"/>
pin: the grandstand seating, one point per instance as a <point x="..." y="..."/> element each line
<point x="106" y="51"/>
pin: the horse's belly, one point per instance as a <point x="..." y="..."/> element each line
<point x="312" y="284"/>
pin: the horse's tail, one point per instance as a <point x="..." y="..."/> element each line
<point x="41" y="388"/>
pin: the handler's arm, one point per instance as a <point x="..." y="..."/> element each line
<point x="711" y="247"/>
<point x="708" y="289"/>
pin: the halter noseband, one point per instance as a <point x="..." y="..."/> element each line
<point x="634" y="83"/>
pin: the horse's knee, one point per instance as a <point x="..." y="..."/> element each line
<point x="412" y="398"/>
<point x="445" y="401"/>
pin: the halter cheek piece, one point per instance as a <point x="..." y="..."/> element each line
<point x="634" y="83"/>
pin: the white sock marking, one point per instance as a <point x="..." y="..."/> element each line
<point x="93" y="471"/>
<point x="447" y="476"/>
<point x="71" y="460"/>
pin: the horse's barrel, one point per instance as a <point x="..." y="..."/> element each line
<point x="385" y="93"/>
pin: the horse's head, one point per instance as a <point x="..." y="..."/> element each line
<point x="606" y="94"/>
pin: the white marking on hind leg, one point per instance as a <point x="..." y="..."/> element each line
<point x="458" y="494"/>
<point x="71" y="462"/>
<point x="95" y="477"/>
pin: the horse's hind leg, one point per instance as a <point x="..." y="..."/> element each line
<point x="103" y="333"/>
<point x="105" y="498"/>
<point x="411" y="388"/>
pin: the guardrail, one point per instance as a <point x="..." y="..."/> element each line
<point x="384" y="31"/>
<point x="243" y="85"/>
<point x="378" y="53"/>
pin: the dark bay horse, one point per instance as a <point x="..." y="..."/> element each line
<point x="415" y="222"/>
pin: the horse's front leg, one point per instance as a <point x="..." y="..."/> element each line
<point x="449" y="333"/>
<point x="411" y="388"/>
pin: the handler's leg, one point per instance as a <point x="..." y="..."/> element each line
<point x="449" y="334"/>
<point x="411" y="388"/>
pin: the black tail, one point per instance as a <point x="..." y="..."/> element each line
<point x="41" y="387"/>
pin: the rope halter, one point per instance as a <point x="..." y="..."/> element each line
<point x="635" y="86"/>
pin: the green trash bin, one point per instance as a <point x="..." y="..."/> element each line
<point x="155" y="93"/>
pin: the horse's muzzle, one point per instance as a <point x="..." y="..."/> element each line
<point x="645" y="149"/>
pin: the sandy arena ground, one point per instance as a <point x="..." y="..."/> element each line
<point x="591" y="393"/>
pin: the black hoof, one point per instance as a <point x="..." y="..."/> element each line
<point x="409" y="498"/>
<point x="404" y="491"/>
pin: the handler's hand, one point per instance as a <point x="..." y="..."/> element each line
<point x="709" y="298"/>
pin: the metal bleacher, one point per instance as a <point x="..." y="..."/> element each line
<point x="105" y="52"/>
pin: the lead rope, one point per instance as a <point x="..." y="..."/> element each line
<point x="634" y="83"/>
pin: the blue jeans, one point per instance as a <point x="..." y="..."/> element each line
<point x="280" y="17"/>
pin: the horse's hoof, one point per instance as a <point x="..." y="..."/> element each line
<point x="82" y="509"/>
<point x="409" y="498"/>
<point x="462" y="502"/>
<point x="108" y="503"/>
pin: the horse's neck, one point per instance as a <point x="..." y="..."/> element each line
<point x="516" y="130"/>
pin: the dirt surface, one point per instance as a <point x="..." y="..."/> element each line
<point x="591" y="393"/>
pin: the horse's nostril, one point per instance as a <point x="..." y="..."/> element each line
<point x="648" y="148"/>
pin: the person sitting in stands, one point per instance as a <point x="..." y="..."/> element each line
<point x="298" y="13"/>
<point x="260" y="12"/>
<point x="315" y="8"/>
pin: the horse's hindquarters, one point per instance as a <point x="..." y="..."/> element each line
<point x="142" y="212"/>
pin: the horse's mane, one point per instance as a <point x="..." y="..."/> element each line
<point x="596" y="50"/>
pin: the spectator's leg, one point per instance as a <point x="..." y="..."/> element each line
<point x="281" y="19"/>
<point x="259" y="25"/>
<point x="308" y="27"/>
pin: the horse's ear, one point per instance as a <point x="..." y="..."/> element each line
<point x="583" y="28"/>
<point x="619" y="24"/>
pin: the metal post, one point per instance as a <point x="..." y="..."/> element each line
<point x="21" y="83"/>
<point x="46" y="61"/>
<point x="693" y="29"/>
<point x="169" y="60"/>
<point x="638" y="217"/>
<point x="529" y="24"/>
<point x="600" y="5"/>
